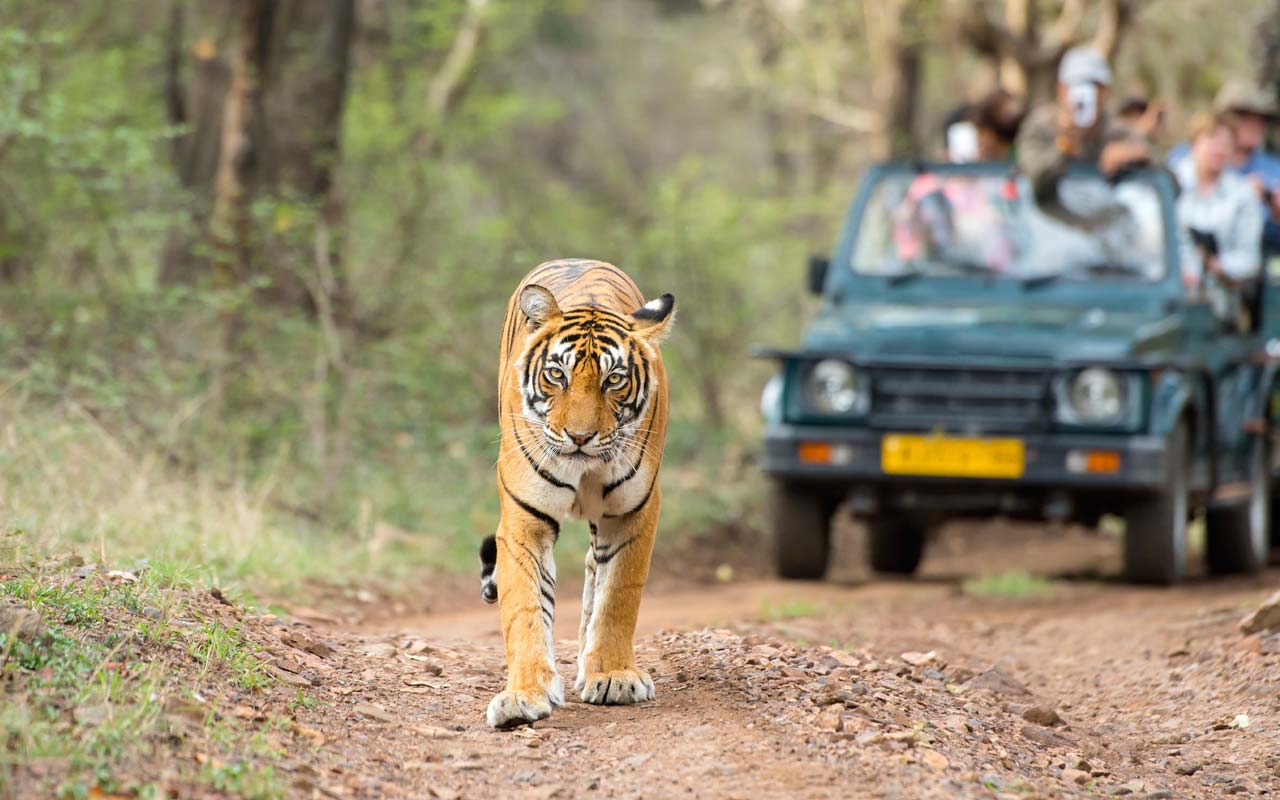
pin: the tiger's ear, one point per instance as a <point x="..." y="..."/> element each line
<point x="538" y="305"/>
<point x="653" y="319"/>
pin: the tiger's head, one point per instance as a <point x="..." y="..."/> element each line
<point x="586" y="376"/>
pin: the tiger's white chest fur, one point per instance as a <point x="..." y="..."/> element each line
<point x="596" y="489"/>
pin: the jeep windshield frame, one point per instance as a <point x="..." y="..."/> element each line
<point x="1094" y="282"/>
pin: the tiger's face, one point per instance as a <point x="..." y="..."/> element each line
<point x="585" y="377"/>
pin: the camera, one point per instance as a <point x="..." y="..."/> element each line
<point x="1083" y="98"/>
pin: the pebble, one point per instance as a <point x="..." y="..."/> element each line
<point x="995" y="679"/>
<point x="1044" y="736"/>
<point x="1042" y="715"/>
<point x="1075" y="776"/>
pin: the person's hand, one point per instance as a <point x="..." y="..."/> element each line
<point x="1259" y="185"/>
<point x="1151" y="120"/>
<point x="1068" y="135"/>
<point x="1123" y="153"/>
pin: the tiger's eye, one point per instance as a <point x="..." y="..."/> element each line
<point x="554" y="374"/>
<point x="615" y="380"/>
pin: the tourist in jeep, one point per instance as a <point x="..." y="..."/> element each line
<point x="1077" y="129"/>
<point x="1220" y="219"/>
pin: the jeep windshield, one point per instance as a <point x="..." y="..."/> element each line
<point x="965" y="222"/>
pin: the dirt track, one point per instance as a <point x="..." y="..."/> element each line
<point x="769" y="689"/>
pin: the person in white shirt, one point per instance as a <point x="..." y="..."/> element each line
<point x="1218" y="212"/>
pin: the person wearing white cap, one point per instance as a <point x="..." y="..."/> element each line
<point x="1076" y="128"/>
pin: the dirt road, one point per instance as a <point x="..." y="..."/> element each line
<point x="851" y="689"/>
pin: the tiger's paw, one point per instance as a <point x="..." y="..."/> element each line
<point x="619" y="687"/>
<point x="512" y="708"/>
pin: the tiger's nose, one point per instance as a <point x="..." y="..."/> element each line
<point x="579" y="438"/>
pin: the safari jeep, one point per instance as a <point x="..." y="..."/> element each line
<point x="978" y="353"/>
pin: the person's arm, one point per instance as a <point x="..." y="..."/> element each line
<point x="1039" y="156"/>
<point x="1240" y="253"/>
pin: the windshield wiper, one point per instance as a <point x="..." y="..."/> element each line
<point x="905" y="276"/>
<point x="966" y="265"/>
<point x="1091" y="270"/>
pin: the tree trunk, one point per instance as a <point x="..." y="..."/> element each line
<point x="896" y="53"/>
<point x="239" y="156"/>
<point x="265" y="122"/>
<point x="195" y="91"/>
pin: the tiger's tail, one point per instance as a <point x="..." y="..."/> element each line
<point x="488" y="561"/>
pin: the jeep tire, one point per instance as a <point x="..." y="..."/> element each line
<point x="801" y="530"/>
<point x="895" y="545"/>
<point x="1237" y="536"/>
<point x="1155" y="537"/>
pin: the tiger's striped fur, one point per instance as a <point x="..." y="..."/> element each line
<point x="582" y="399"/>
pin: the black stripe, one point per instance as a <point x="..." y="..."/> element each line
<point x="634" y="470"/>
<point x="639" y="505"/>
<point x="607" y="557"/>
<point x="537" y="562"/>
<point x="542" y="473"/>
<point x="531" y="511"/>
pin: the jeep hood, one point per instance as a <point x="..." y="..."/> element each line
<point x="1035" y="333"/>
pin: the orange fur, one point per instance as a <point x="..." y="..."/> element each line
<point x="583" y="414"/>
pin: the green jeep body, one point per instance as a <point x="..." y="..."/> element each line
<point x="980" y="370"/>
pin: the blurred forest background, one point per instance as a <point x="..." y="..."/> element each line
<point x="254" y="254"/>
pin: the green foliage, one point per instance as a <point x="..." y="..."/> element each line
<point x="1016" y="585"/>
<point x="83" y="695"/>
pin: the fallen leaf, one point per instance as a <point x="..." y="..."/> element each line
<point x="287" y="677"/>
<point x="374" y="711"/>
<point x="421" y="682"/>
<point x="307" y="644"/>
<point x="442" y="793"/>
<point x="122" y="576"/>
<point x="429" y="664"/>
<point x="433" y="732"/>
<point x="635" y="760"/>
<point x="934" y="760"/>
<point x="917" y="659"/>
<point x="381" y="650"/>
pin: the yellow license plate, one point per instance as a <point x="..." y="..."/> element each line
<point x="952" y="457"/>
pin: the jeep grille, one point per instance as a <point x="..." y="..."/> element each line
<point x="960" y="400"/>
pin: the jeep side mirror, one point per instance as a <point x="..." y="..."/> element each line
<point x="818" y="266"/>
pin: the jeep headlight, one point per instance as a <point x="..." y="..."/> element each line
<point x="1098" y="396"/>
<point x="835" y="387"/>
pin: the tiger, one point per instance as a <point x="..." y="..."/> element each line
<point x="582" y="398"/>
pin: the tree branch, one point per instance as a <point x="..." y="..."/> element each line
<point x="1114" y="20"/>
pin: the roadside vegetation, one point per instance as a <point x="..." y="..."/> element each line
<point x="111" y="672"/>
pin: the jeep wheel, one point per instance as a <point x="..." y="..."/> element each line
<point x="1237" y="535"/>
<point x="801" y="530"/>
<point x="1155" y="537"/>
<point x="895" y="546"/>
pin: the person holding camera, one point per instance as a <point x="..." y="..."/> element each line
<point x="1219" y="214"/>
<point x="1077" y="129"/>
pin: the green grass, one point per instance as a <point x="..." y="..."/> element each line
<point x="73" y="486"/>
<point x="788" y="609"/>
<point x="1014" y="585"/>
<point x="87" y="697"/>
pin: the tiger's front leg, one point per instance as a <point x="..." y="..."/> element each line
<point x="618" y="565"/>
<point x="526" y="577"/>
